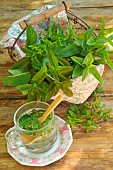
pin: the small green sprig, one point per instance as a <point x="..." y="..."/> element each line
<point x="89" y="114"/>
<point x="30" y="121"/>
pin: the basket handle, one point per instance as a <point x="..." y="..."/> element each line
<point x="44" y="15"/>
<point x="36" y="19"/>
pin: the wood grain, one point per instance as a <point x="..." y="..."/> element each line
<point x="89" y="151"/>
<point x="90" y="10"/>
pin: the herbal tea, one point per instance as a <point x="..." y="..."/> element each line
<point x="30" y="119"/>
<point x="36" y="137"/>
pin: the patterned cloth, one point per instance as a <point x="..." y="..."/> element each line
<point x="14" y="30"/>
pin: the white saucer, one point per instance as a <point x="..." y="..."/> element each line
<point x="61" y="146"/>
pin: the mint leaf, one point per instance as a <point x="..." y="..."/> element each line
<point x="65" y="87"/>
<point x="99" y="89"/>
<point x="63" y="61"/>
<point x="24" y="88"/>
<point x="102" y="28"/>
<point x="108" y="61"/>
<point x="50" y="91"/>
<point x="31" y="121"/>
<point x="15" y="71"/>
<point x="88" y="60"/>
<point x="40" y="75"/>
<point x="91" y="42"/>
<point x="88" y="34"/>
<point x="67" y="91"/>
<point x="26" y="51"/>
<point x="31" y="36"/>
<point x="64" y="69"/>
<point x="16" y="80"/>
<point x="78" y="60"/>
<point x="108" y="31"/>
<point x="52" y="58"/>
<point x="81" y="42"/>
<point x="77" y="71"/>
<point x="85" y="73"/>
<point x="95" y="73"/>
<point x="22" y="63"/>
<point x="65" y="52"/>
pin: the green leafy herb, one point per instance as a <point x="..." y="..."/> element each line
<point x="18" y="79"/>
<point x="56" y="57"/>
<point x="29" y="121"/>
<point x="88" y="115"/>
<point x="31" y="36"/>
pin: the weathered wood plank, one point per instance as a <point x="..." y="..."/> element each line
<point x="90" y="11"/>
<point x="87" y="151"/>
<point x="34" y="3"/>
<point x="11" y="92"/>
<point x="92" y="3"/>
<point x="92" y="16"/>
<point x="7" y="92"/>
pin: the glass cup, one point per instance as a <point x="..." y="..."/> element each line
<point x="35" y="141"/>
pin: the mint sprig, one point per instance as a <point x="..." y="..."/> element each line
<point x="60" y="56"/>
<point x="30" y="121"/>
<point x="89" y="114"/>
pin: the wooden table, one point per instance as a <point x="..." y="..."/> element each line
<point x="89" y="151"/>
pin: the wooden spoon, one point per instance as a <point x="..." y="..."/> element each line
<point x="51" y="107"/>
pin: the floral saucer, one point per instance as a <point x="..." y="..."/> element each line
<point x="61" y="146"/>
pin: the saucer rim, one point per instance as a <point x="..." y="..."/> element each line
<point x="54" y="159"/>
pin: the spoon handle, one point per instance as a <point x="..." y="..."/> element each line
<point x="51" y="107"/>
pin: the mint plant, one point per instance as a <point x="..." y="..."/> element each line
<point x="89" y="114"/>
<point x="57" y="56"/>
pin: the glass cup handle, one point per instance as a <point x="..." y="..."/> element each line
<point x="14" y="144"/>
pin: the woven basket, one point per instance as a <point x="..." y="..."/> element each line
<point x="61" y="14"/>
